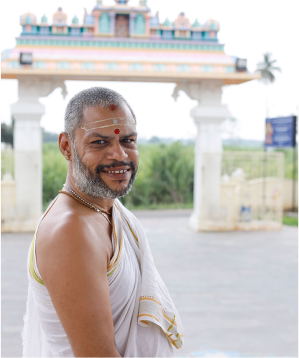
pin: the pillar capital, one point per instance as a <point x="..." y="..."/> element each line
<point x="25" y="111"/>
<point x="31" y="88"/>
<point x="208" y="96"/>
<point x="209" y="114"/>
<point x="206" y="92"/>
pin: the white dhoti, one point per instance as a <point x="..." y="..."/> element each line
<point x="146" y="322"/>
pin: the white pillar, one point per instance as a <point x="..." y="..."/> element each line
<point x="28" y="163"/>
<point x="208" y="116"/>
<point x="27" y="113"/>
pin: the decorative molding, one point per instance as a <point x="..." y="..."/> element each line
<point x="208" y="94"/>
<point x="48" y="86"/>
<point x="31" y="88"/>
<point x="205" y="92"/>
<point x="76" y="65"/>
<point x="116" y="43"/>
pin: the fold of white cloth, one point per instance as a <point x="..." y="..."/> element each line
<point x="155" y="304"/>
<point x="146" y="322"/>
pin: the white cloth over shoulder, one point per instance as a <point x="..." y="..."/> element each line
<point x="155" y="303"/>
<point x="146" y="322"/>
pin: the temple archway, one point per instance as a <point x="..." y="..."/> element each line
<point x="189" y="56"/>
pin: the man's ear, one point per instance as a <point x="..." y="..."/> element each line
<point x="65" y="145"/>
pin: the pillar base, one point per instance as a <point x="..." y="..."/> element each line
<point x="194" y="221"/>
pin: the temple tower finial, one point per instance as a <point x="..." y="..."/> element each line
<point x="121" y="2"/>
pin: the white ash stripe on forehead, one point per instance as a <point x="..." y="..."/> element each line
<point x="115" y="122"/>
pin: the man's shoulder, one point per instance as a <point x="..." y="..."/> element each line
<point x="61" y="223"/>
<point x="64" y="239"/>
<point x="65" y="230"/>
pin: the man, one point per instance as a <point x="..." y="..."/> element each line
<point x="93" y="288"/>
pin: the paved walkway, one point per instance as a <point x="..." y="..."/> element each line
<point x="236" y="292"/>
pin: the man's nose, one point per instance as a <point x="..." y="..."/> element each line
<point x="116" y="152"/>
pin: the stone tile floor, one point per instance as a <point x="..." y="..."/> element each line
<point x="236" y="292"/>
<point x="212" y="353"/>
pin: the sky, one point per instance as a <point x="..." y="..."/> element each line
<point x="247" y="29"/>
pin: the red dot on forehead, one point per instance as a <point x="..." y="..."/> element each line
<point x="116" y="131"/>
<point x="112" y="107"/>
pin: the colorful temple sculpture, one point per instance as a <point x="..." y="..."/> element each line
<point x="120" y="43"/>
<point x="121" y="21"/>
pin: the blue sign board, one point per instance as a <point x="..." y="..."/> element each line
<point x="281" y="132"/>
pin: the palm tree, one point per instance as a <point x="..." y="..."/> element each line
<point x="267" y="70"/>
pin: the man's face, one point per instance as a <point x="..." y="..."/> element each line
<point x="105" y="162"/>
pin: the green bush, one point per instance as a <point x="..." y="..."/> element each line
<point x="7" y="133"/>
<point x="165" y="175"/>
<point x="54" y="171"/>
<point x="289" y="162"/>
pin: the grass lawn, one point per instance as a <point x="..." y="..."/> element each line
<point x="290" y="221"/>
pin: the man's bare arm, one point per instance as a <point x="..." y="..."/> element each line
<point x="74" y="270"/>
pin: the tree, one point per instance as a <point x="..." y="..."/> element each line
<point x="267" y="70"/>
<point x="154" y="140"/>
<point x="6" y="133"/>
<point x="49" y="136"/>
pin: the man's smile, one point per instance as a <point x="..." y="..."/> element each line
<point x="117" y="170"/>
<point x="118" y="173"/>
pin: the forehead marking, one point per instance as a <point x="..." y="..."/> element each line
<point x="115" y="121"/>
<point x="112" y="107"/>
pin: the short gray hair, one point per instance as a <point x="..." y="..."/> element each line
<point x="91" y="97"/>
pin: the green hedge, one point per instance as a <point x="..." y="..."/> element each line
<point x="165" y="175"/>
<point x="54" y="172"/>
<point x="289" y="162"/>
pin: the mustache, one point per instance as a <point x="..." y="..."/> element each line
<point x="115" y="164"/>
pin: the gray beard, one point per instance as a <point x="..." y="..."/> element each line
<point x="92" y="184"/>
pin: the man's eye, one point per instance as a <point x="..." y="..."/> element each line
<point x="128" y="140"/>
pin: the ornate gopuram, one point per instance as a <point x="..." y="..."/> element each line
<point x="117" y="43"/>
